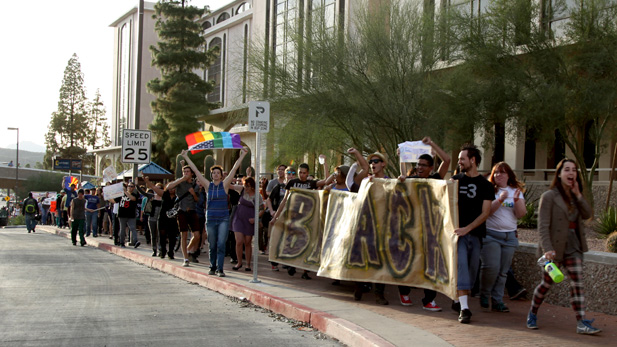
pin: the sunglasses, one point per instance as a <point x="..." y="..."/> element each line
<point x="290" y="172"/>
<point x="131" y="186"/>
<point x="375" y="161"/>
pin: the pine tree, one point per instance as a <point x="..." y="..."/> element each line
<point x="69" y="129"/>
<point x="181" y="94"/>
<point x="99" y="131"/>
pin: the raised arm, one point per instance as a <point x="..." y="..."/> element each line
<point x="204" y="181"/>
<point x="326" y="171"/>
<point x="363" y="173"/>
<point x="232" y="172"/>
<point x="154" y="187"/>
<point x="445" y="158"/>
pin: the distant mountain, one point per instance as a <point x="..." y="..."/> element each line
<point x="28" y="146"/>
<point x="25" y="157"/>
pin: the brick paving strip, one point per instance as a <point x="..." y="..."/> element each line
<point x="332" y="310"/>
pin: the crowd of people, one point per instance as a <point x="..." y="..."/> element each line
<point x="221" y="210"/>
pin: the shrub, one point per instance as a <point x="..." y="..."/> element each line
<point x="611" y="242"/>
<point x="607" y="222"/>
<point x="17" y="220"/>
<point x="529" y="220"/>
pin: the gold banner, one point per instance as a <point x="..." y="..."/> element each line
<point x="389" y="232"/>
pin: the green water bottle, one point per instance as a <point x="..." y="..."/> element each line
<point x="554" y="272"/>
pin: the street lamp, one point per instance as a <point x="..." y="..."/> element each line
<point x="16" y="162"/>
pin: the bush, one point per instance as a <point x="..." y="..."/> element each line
<point x="529" y="220"/>
<point x="607" y="222"/>
<point x="17" y="220"/>
<point x="611" y="242"/>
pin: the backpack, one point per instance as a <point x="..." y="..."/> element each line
<point x="30" y="207"/>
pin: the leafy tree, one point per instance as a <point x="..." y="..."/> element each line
<point x="181" y="94"/>
<point x="99" y="131"/>
<point x="369" y="90"/>
<point x="68" y="132"/>
<point x="520" y="70"/>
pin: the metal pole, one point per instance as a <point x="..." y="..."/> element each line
<point x="140" y="35"/>
<point x="256" y="223"/>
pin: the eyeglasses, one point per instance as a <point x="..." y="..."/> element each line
<point x="131" y="186"/>
<point x="290" y="172"/>
<point x="375" y="161"/>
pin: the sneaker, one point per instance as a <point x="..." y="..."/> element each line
<point x="122" y="245"/>
<point x="305" y="276"/>
<point x="193" y="258"/>
<point x="584" y="327"/>
<point x="137" y="244"/>
<point x="465" y="316"/>
<point x="484" y="303"/>
<point x="233" y="261"/>
<point x="170" y="255"/>
<point x="456" y="306"/>
<point x="380" y="299"/>
<point x="432" y="306"/>
<point x="211" y="272"/>
<point x="154" y="254"/>
<point x="221" y="273"/>
<point x="532" y="321"/>
<point x="521" y="294"/>
<point x="275" y="268"/>
<point x="405" y="300"/>
<point x="500" y="307"/>
<point x="186" y="263"/>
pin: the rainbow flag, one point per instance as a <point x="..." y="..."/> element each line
<point x="212" y="140"/>
<point x="70" y="180"/>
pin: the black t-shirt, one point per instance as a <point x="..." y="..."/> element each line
<point x="472" y="192"/>
<point x="434" y="176"/>
<point x="167" y="202"/>
<point x="127" y="208"/>
<point x="296" y="183"/>
<point x="276" y="196"/>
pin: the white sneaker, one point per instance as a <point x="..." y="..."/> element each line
<point x="186" y="263"/>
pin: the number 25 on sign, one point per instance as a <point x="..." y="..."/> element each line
<point x="136" y="146"/>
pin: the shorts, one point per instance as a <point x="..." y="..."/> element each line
<point x="188" y="219"/>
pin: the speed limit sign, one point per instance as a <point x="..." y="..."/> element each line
<point x="136" y="146"/>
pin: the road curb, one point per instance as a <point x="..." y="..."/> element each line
<point x="341" y="329"/>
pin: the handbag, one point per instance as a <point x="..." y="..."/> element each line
<point x="173" y="212"/>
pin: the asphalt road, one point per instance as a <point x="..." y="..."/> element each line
<point x="55" y="294"/>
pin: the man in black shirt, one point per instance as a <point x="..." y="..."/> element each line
<point x="475" y="195"/>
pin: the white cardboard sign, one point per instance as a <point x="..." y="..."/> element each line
<point x="113" y="191"/>
<point x="411" y="150"/>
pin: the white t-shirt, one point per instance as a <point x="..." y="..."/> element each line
<point x="504" y="219"/>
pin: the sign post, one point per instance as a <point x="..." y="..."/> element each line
<point x="259" y="122"/>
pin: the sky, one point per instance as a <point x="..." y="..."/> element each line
<point x="39" y="38"/>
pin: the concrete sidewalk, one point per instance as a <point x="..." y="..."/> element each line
<point x="332" y="310"/>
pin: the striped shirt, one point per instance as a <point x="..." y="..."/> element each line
<point x="217" y="209"/>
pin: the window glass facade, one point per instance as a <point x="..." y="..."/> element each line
<point x="124" y="81"/>
<point x="215" y="71"/>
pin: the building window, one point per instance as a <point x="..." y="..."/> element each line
<point x="285" y="24"/>
<point x="323" y="13"/>
<point x="223" y="17"/>
<point x="245" y="63"/>
<point x="124" y="82"/>
<point x="245" y="6"/>
<point x="206" y="25"/>
<point x="214" y="72"/>
<point x="556" y="14"/>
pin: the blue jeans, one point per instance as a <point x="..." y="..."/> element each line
<point x="30" y="221"/>
<point x="92" y="222"/>
<point x="217" y="237"/>
<point x="468" y="261"/>
<point x="496" y="255"/>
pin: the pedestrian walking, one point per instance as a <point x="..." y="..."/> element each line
<point x="30" y="208"/>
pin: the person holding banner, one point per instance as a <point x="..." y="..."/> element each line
<point x="424" y="169"/>
<point x="127" y="213"/>
<point x="501" y="241"/>
<point x="217" y="212"/>
<point x="475" y="195"/>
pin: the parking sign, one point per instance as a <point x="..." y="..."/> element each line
<point x="136" y="146"/>
<point x="259" y="116"/>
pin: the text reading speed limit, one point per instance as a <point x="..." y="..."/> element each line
<point x="136" y="146"/>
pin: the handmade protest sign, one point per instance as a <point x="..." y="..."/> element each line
<point x="109" y="174"/>
<point x="113" y="191"/>
<point x="390" y="232"/>
<point x="410" y="151"/>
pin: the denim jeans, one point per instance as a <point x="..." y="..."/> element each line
<point x="217" y="237"/>
<point x="468" y="261"/>
<point x="78" y="224"/>
<point x="44" y="216"/>
<point x="131" y="222"/>
<point x="30" y="221"/>
<point x="92" y="222"/>
<point x="497" y="253"/>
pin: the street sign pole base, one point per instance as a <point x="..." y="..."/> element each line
<point x="254" y="280"/>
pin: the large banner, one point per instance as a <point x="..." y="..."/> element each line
<point x="389" y="232"/>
